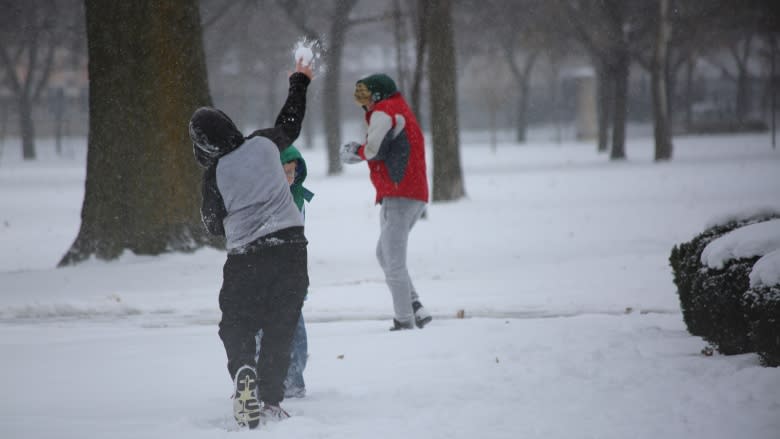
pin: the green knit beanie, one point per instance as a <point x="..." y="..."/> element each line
<point x="380" y="85"/>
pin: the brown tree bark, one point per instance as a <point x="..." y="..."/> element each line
<point x="447" y="173"/>
<point x="147" y="75"/>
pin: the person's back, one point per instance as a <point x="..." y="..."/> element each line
<point x="257" y="201"/>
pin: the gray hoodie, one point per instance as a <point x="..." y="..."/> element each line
<point x="246" y="197"/>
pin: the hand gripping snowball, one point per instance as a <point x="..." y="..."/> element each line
<point x="304" y="54"/>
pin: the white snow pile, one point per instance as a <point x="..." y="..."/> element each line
<point x="760" y="239"/>
<point x="766" y="271"/>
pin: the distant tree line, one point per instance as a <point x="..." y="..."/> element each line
<point x="242" y="44"/>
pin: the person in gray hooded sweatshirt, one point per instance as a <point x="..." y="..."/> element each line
<point x="247" y="200"/>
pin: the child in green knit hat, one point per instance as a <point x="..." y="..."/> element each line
<point x="295" y="170"/>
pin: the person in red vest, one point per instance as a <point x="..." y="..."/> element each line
<point x="395" y="152"/>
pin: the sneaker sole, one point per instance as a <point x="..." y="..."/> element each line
<point x="246" y="407"/>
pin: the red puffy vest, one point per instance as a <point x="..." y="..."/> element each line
<point x="414" y="184"/>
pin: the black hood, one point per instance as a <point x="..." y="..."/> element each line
<point x="213" y="135"/>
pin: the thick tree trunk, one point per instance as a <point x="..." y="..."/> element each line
<point x="142" y="187"/>
<point x="661" y="119"/>
<point x="447" y="174"/>
<point x="620" y="109"/>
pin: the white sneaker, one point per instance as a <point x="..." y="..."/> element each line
<point x="246" y="407"/>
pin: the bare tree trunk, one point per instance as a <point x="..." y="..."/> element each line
<point x="36" y="42"/>
<point x="3" y="120"/>
<point x="743" y="99"/>
<point x="59" y="113"/>
<point x="522" y="77"/>
<point x="743" y="95"/>
<point x="555" y="104"/>
<point x="621" y="61"/>
<point x="309" y="126"/>
<point x="605" y="97"/>
<point x="421" y="47"/>
<point x="522" y="112"/>
<point x="331" y="114"/>
<point x="399" y="33"/>
<point x="772" y="87"/>
<point x="493" y="130"/>
<point x="27" y="128"/>
<point x="142" y="186"/>
<point x="661" y="120"/>
<point x="447" y="174"/>
<point x="689" y="96"/>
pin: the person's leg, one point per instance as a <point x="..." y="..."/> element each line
<point x="294" y="385"/>
<point x="287" y="288"/>
<point x="238" y="303"/>
<point x="397" y="216"/>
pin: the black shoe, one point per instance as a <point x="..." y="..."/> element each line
<point x="421" y="316"/>
<point x="246" y="407"/>
<point x="398" y="326"/>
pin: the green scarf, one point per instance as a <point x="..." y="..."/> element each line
<point x="299" y="193"/>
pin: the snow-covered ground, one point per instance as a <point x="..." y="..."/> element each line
<point x="558" y="257"/>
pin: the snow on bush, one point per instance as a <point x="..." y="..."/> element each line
<point x="767" y="270"/>
<point x="712" y="273"/>
<point x="745" y="242"/>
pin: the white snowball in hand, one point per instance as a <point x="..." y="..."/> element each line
<point x="304" y="54"/>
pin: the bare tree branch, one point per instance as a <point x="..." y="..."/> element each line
<point x="9" y="65"/>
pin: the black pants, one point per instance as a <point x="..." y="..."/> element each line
<point x="263" y="289"/>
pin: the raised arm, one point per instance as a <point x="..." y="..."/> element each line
<point x="290" y="118"/>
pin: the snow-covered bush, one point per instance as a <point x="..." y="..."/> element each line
<point x="713" y="274"/>
<point x="762" y="307"/>
<point x="762" y="311"/>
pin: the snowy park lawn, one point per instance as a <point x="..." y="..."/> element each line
<point x="558" y="257"/>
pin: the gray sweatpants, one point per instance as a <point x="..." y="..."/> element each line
<point x="396" y="219"/>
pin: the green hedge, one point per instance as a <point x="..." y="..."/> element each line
<point x="718" y="305"/>
<point x="762" y="310"/>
